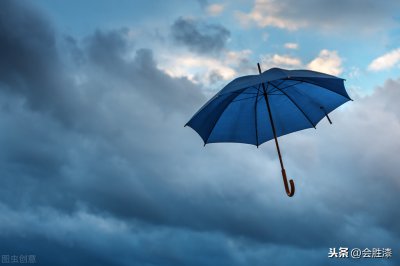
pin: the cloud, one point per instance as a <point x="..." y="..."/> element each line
<point x="385" y="61"/>
<point x="33" y="68"/>
<point x="108" y="49"/>
<point x="283" y="61"/>
<point x="338" y="15"/>
<point x="200" y="37"/>
<point x="124" y="183"/>
<point x="215" y="9"/>
<point x="291" y="45"/>
<point x="133" y="242"/>
<point x="327" y="62"/>
<point x="180" y="66"/>
<point x="200" y="69"/>
<point x="268" y="13"/>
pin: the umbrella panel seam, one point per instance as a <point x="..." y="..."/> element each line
<point x="315" y="84"/>
<point x="298" y="107"/>
<point x="216" y="121"/>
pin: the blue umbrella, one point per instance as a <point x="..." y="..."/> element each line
<point x="256" y="108"/>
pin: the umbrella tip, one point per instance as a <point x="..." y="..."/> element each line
<point x="259" y="68"/>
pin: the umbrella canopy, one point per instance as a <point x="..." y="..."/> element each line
<point x="256" y="108"/>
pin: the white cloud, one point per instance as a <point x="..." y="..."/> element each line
<point x="198" y="68"/>
<point x="215" y="9"/>
<point x="236" y="57"/>
<point x="268" y="13"/>
<point x="291" y="45"/>
<point x="327" y="62"/>
<point x="284" y="61"/>
<point x="385" y="61"/>
<point x="192" y="66"/>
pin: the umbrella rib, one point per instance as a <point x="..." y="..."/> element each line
<point x="216" y="120"/>
<point x="283" y="80"/>
<point x="233" y="92"/>
<point x="280" y="83"/>
<point x="251" y="97"/>
<point x="298" y="107"/>
<point x="272" y="91"/>
<point x="251" y="87"/>
<point x="318" y="105"/>
<point x="291" y="85"/>
<point x="315" y="84"/>
<point x="288" y="86"/>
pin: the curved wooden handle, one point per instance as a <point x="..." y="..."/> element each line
<point x="289" y="191"/>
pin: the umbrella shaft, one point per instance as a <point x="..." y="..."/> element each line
<point x="273" y="126"/>
<point x="271" y="120"/>
<point x="289" y="191"/>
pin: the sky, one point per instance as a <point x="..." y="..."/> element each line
<point x="96" y="167"/>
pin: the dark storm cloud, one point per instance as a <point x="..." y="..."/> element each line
<point x="137" y="244"/>
<point x="200" y="37"/>
<point x="125" y="184"/>
<point x="30" y="64"/>
<point x="76" y="54"/>
<point x="108" y="48"/>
